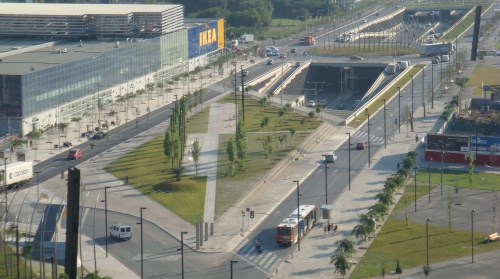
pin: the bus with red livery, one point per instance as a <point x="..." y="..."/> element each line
<point x="288" y="230"/>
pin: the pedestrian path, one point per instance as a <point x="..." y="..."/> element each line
<point x="362" y="136"/>
<point x="219" y="88"/>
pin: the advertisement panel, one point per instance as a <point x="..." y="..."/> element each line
<point x="485" y="144"/>
<point x="204" y="38"/>
<point x="448" y="143"/>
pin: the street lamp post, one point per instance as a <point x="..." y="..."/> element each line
<point x="242" y="95"/>
<point x="430" y="180"/>
<point x="442" y="155"/>
<point x="232" y="262"/>
<point x="37" y="188"/>
<point x="142" y="246"/>
<point x="349" y="148"/>
<point x="412" y="101"/>
<point x="235" y="91"/>
<point x="415" y="178"/>
<point x="385" y="130"/>
<point x="369" y="157"/>
<point x="423" y="82"/>
<point x="432" y="85"/>
<point x="298" y="212"/>
<point x="427" y="230"/>
<point x="17" y="249"/>
<point x="182" y="253"/>
<point x="475" y="161"/>
<point x="326" y="179"/>
<point x="399" y="105"/>
<point x="106" y="217"/>
<point x="472" y="232"/>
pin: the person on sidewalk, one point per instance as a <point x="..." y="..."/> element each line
<point x="416" y="137"/>
<point x="329" y="228"/>
<point x="335" y="230"/>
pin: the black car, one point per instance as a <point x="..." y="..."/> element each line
<point x="99" y="136"/>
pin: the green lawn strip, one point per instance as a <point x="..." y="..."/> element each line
<point x="198" y="124"/>
<point x="10" y="250"/>
<point x="379" y="103"/>
<point x="409" y="195"/>
<point x="459" y="29"/>
<point x="460" y="178"/>
<point x="362" y="49"/>
<point x="395" y="241"/>
<point x="484" y="74"/>
<point x="148" y="172"/>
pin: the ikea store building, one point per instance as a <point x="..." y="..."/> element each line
<point x="58" y="61"/>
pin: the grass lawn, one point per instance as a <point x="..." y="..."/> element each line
<point x="12" y="264"/>
<point x="232" y="188"/>
<point x="379" y="103"/>
<point x="149" y="173"/>
<point x="360" y="49"/>
<point x="460" y="178"/>
<point x="460" y="28"/>
<point x="487" y="74"/>
<point x="395" y="241"/>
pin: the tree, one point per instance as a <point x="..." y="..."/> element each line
<point x="63" y="128"/>
<point x="292" y="132"/>
<point x="27" y="254"/>
<point x="406" y="118"/>
<point x="177" y="171"/>
<point x="267" y="145"/>
<point x="460" y="82"/>
<point x="471" y="169"/>
<point x="16" y="143"/>
<point x="450" y="211"/>
<point x="318" y="109"/>
<point x="95" y="275"/>
<point x="302" y="122"/>
<point x="426" y="270"/>
<point x="78" y="121"/>
<point x="378" y="210"/>
<point x="281" y="139"/>
<point x="201" y="92"/>
<point x="168" y="146"/>
<point x="341" y="263"/>
<point x="63" y="276"/>
<point x="365" y="227"/>
<point x="311" y="114"/>
<point x="346" y="246"/>
<point x="385" y="197"/>
<point x="231" y="154"/>
<point x="241" y="145"/>
<point x="196" y="151"/>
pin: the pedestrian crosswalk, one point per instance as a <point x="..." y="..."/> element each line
<point x="218" y="88"/>
<point x="266" y="260"/>
<point x="362" y="136"/>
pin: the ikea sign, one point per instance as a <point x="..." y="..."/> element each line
<point x="208" y="37"/>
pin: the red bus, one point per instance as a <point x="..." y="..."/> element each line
<point x="288" y="230"/>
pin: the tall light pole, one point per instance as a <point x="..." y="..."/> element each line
<point x="349" y="148"/>
<point x="423" y="83"/>
<point x="475" y="161"/>
<point x="326" y="179"/>
<point x="430" y="180"/>
<point x="427" y="230"/>
<point x="232" y="262"/>
<point x="442" y="155"/>
<point x="17" y="249"/>
<point x="37" y="188"/>
<point x="472" y="232"/>
<point x="399" y="105"/>
<point x="242" y="95"/>
<point x="182" y="253"/>
<point x="415" y="178"/>
<point x="298" y="213"/>
<point x="235" y="91"/>
<point x="412" y="101"/>
<point x="385" y="130"/>
<point x="369" y="157"/>
<point x="142" y="246"/>
<point x="432" y="85"/>
<point x="106" y="217"/>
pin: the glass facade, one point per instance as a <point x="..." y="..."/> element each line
<point x="82" y="85"/>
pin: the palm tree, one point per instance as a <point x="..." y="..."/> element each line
<point x="365" y="227"/>
<point x="77" y="120"/>
<point x="385" y="197"/>
<point x="341" y="263"/>
<point x="378" y="210"/>
<point x="16" y="143"/>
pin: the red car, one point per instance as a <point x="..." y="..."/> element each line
<point x="361" y="145"/>
<point x="75" y="154"/>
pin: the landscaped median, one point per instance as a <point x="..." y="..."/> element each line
<point x="148" y="172"/>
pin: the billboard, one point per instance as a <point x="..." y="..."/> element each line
<point x="205" y="38"/>
<point x="485" y="144"/>
<point x="448" y="143"/>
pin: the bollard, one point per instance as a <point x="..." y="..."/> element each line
<point x="62" y="175"/>
<point x="206" y="231"/>
<point x="200" y="224"/>
<point x="197" y="237"/>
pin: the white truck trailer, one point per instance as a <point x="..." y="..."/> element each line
<point x="17" y="174"/>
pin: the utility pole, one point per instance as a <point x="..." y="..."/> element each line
<point x="315" y="89"/>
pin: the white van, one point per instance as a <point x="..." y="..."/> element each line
<point x="120" y="231"/>
<point x="331" y="158"/>
<point x="403" y="65"/>
<point x="445" y="58"/>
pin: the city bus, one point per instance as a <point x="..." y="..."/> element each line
<point x="287" y="231"/>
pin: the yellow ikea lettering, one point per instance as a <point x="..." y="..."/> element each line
<point x="208" y="36"/>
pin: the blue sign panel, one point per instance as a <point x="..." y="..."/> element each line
<point x="485" y="144"/>
<point x="302" y="224"/>
<point x="203" y="39"/>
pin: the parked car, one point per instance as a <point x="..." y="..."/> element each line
<point x="361" y="145"/>
<point x="356" y="58"/>
<point x="270" y="62"/>
<point x="363" y="21"/>
<point x="293" y="50"/>
<point x="75" y="154"/>
<point x="311" y="104"/>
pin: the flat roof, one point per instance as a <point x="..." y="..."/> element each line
<point x="53" y="9"/>
<point x="44" y="57"/>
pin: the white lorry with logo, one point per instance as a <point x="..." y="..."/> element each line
<point x="16" y="174"/>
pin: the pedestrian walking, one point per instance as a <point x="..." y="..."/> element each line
<point x="399" y="166"/>
<point x="324" y="230"/>
<point x="329" y="228"/>
<point x="416" y="137"/>
<point x="335" y="230"/>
